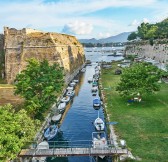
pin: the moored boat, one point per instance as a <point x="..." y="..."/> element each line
<point x="95" y="83"/>
<point x="94" y="89"/>
<point x="72" y="84"/>
<point x="97" y="102"/>
<point x="70" y="88"/>
<point x="90" y="79"/>
<point x="61" y="107"/>
<point x="56" y="118"/>
<point x="76" y="80"/>
<point x="99" y="123"/>
<point x="70" y="93"/>
<point x="51" y="132"/>
<point x="99" y="140"/>
<point x="41" y="145"/>
<point x="65" y="99"/>
<point x="83" y="70"/>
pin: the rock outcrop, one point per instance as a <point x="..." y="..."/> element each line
<point x="158" y="51"/>
<point x="24" y="44"/>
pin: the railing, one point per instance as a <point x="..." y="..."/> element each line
<point x="67" y="144"/>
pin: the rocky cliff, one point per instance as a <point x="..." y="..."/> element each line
<point x="157" y="51"/>
<point x="21" y="45"/>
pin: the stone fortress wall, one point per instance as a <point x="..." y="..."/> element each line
<point x="24" y="44"/>
<point x="158" y="51"/>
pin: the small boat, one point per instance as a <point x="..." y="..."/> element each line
<point x="83" y="70"/>
<point x="61" y="107"/>
<point x="96" y="102"/>
<point x="99" y="141"/>
<point x="70" y="88"/>
<point x="90" y="79"/>
<point x="94" y="93"/>
<point x="96" y="76"/>
<point x="42" y="145"/>
<point x="51" y="132"/>
<point x="56" y="118"/>
<point x="76" y="80"/>
<point x="94" y="84"/>
<point x="99" y="123"/>
<point x="94" y="89"/>
<point x="72" y="84"/>
<point x="65" y="99"/>
<point x="70" y="93"/>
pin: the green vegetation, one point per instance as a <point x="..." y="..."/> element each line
<point x="140" y="78"/>
<point x="39" y="84"/>
<point x="144" y="125"/>
<point x="148" y="31"/>
<point x="16" y="129"/>
<point x="132" y="36"/>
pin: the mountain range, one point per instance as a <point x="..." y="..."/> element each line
<point x="122" y="37"/>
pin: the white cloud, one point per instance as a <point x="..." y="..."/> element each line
<point x="39" y="15"/>
<point x="134" y="23"/>
<point x="145" y="20"/>
<point x="104" y="35"/>
<point x="78" y="28"/>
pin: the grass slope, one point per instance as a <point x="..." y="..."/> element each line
<point x="143" y="125"/>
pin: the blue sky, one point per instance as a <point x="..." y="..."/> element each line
<point x="81" y="18"/>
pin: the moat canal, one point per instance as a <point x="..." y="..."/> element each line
<point x="80" y="115"/>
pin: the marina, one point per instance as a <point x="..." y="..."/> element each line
<point x="79" y="113"/>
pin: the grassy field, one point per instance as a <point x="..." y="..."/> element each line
<point x="143" y="125"/>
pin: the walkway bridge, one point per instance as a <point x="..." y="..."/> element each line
<point x="75" y="148"/>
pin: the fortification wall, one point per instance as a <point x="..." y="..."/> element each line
<point x="158" y="51"/>
<point x="24" y="44"/>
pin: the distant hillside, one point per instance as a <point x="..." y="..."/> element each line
<point x="122" y="37"/>
<point x="93" y="40"/>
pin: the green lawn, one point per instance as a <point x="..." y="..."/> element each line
<point x="143" y="125"/>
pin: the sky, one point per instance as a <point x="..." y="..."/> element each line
<point x="81" y="18"/>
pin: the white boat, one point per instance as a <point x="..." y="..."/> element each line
<point x="83" y="70"/>
<point x="51" y="132"/>
<point x="65" y="99"/>
<point x="42" y="145"/>
<point x="56" y="118"/>
<point x="94" y="89"/>
<point x="99" y="123"/>
<point x="70" y="93"/>
<point x="99" y="141"/>
<point x="72" y="84"/>
<point x="94" y="93"/>
<point x="90" y="79"/>
<point x="61" y="107"/>
<point x="76" y="80"/>
<point x="70" y="88"/>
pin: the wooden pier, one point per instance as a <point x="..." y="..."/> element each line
<point x="64" y="152"/>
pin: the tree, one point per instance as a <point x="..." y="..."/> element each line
<point x="151" y="33"/>
<point x="132" y="36"/>
<point x="39" y="84"/>
<point x="15" y="131"/>
<point x="140" y="78"/>
<point x="142" y="30"/>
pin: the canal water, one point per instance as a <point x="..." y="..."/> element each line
<point x="79" y="116"/>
